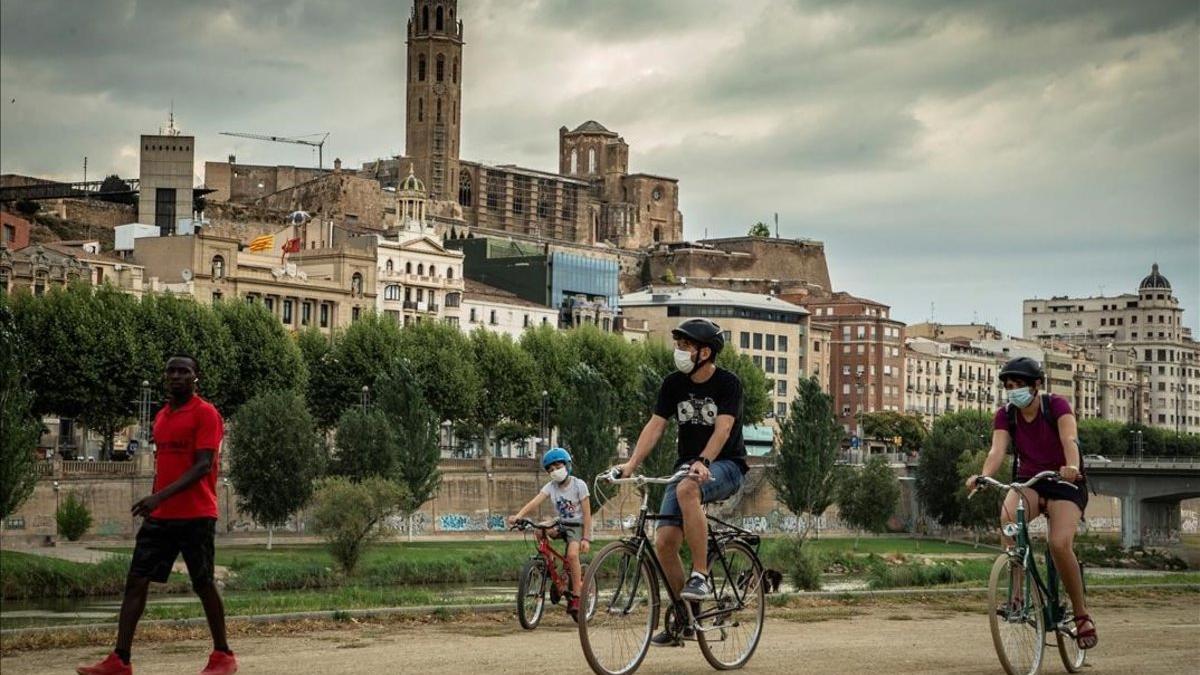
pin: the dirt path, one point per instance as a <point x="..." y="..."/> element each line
<point x="1143" y="636"/>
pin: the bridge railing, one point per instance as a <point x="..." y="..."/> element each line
<point x="1140" y="462"/>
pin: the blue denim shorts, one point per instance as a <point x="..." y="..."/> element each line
<point x="726" y="479"/>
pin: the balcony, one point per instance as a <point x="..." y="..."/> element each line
<point x="410" y="304"/>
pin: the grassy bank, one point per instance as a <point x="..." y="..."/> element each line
<point x="24" y="576"/>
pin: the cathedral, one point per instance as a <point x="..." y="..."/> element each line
<point x="592" y="199"/>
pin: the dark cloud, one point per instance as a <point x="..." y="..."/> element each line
<point x="920" y="140"/>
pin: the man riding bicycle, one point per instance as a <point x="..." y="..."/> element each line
<point x="1043" y="431"/>
<point x="706" y="401"/>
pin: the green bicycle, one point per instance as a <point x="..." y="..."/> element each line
<point x="1021" y="607"/>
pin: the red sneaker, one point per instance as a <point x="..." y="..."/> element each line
<point x="113" y="665"/>
<point x="220" y="663"/>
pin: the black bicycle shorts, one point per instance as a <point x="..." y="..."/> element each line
<point x="159" y="543"/>
<point x="1048" y="490"/>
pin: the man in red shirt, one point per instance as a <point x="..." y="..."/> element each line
<point x="180" y="517"/>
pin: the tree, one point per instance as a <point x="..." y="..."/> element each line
<point x="1104" y="437"/>
<point x="655" y="362"/>
<point x="937" y="468"/>
<point x="588" y="428"/>
<point x="275" y="455"/>
<point x="756" y="389"/>
<point x="356" y="359"/>
<point x="113" y="183"/>
<point x="265" y="358"/>
<point x="509" y="378"/>
<point x="349" y="515"/>
<point x="887" y="425"/>
<point x="609" y="354"/>
<point x="314" y="350"/>
<point x="73" y="518"/>
<point x="398" y="395"/>
<point x="19" y="428"/>
<point x="442" y="356"/>
<point x="552" y="359"/>
<point x="867" y="496"/>
<point x="170" y="324"/>
<point x="804" y="478"/>
<point x="979" y="513"/>
<point x="366" y="445"/>
<point x="759" y="229"/>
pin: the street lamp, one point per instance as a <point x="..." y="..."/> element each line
<point x="56" y="493"/>
<point x="365" y="397"/>
<point x="544" y="432"/>
<point x="1137" y="443"/>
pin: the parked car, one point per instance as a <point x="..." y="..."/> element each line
<point x="1096" y="459"/>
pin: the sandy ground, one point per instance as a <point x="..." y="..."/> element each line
<point x="1139" y="636"/>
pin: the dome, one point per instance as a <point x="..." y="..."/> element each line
<point x="1155" y="280"/>
<point x="412" y="183"/>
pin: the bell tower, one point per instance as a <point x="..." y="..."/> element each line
<point x="434" y="95"/>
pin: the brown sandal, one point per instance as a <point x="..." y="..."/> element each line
<point x="1085" y="638"/>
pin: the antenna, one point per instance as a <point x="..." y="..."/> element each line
<point x="85" y="168"/>
<point x="776" y="224"/>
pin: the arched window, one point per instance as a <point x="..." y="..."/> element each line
<point x="218" y="267"/>
<point x="657" y="235"/>
<point x="389" y="266"/>
<point x="574" y="162"/>
<point x="420" y="110"/>
<point x="421" y="67"/>
<point x="439" y="25"/>
<point x="408" y="268"/>
<point x="591" y="160"/>
<point x="433" y="272"/>
<point x="392" y="292"/>
<point x="454" y="73"/>
<point x="356" y="284"/>
<point x="440" y="69"/>
<point x="464" y="189"/>
<point x="420" y="270"/>
<point x="425" y="18"/>
<point x="449" y="272"/>
<point x="439" y="110"/>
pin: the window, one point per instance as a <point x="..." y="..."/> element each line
<point x="781" y="387"/>
<point x="861" y="350"/>
<point x="306" y="313"/>
<point x="324" y="315"/>
<point x="218" y="267"/>
<point x="216" y="294"/>
<point x="355" y="313"/>
<point x="287" y="312"/>
<point x="781" y="364"/>
<point x="392" y="292"/>
<point x="421" y="67"/>
<point x="816" y="346"/>
<point x="440" y="67"/>
<point x="846" y="371"/>
<point x="758" y="341"/>
<point x="269" y="302"/>
<point x="408" y="267"/>
<point x="781" y="410"/>
<point x="1034" y="325"/>
<point x="845" y="349"/>
<point x="454" y="76"/>
<point x="356" y="284"/>
<point x="464" y="188"/>
<point x="439" y="110"/>
<point x="846" y="389"/>
<point x="770" y="342"/>
<point x="389" y="266"/>
<point x="757" y="361"/>
<point x="492" y="318"/>
<point x="770" y="364"/>
<point x="420" y="269"/>
<point x="520" y="192"/>
<point x="545" y="198"/>
<point x="591" y="160"/>
<point x="440" y="16"/>
<point x="744" y="340"/>
<point x="164" y="210"/>
<point x="473" y="318"/>
<point x="783" y="343"/>
<point x="525" y="323"/>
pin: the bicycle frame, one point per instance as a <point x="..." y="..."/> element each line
<point x="1022" y="552"/>
<point x="641" y="541"/>
<point x="547" y="552"/>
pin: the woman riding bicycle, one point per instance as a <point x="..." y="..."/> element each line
<point x="1044" y="435"/>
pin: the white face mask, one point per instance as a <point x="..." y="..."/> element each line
<point x="684" y="362"/>
<point x="559" y="475"/>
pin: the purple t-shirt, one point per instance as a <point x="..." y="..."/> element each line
<point x="1038" y="444"/>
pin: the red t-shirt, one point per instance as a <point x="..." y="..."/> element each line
<point x="1037" y="441"/>
<point x="178" y="434"/>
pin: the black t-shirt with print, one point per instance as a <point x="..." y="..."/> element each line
<point x="695" y="406"/>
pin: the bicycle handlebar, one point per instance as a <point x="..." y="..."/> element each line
<point x="527" y="524"/>
<point x="988" y="481"/>
<point x="613" y="476"/>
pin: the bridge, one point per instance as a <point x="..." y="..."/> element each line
<point x="1150" y="489"/>
<point x="56" y="190"/>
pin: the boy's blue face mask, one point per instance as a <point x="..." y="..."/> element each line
<point x="1020" y="397"/>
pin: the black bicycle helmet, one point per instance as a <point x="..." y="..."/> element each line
<point x="1023" y="368"/>
<point x="703" y="332"/>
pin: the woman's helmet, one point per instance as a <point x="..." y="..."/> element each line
<point x="1023" y="368"/>
<point x="556" y="455"/>
<point x="703" y="332"/>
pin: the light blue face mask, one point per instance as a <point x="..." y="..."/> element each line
<point x="1020" y="397"/>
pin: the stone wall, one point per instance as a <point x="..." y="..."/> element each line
<point x="95" y="212"/>
<point x="751" y="264"/>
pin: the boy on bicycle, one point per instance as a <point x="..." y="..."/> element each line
<point x="706" y="401"/>
<point x="1043" y="431"/>
<point x="569" y="495"/>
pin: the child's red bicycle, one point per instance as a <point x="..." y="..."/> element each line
<point x="546" y="570"/>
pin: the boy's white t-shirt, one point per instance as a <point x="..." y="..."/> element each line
<point x="568" y="499"/>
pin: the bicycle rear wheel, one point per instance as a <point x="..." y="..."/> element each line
<point x="1016" y="618"/>
<point x="729" y="639"/>
<point x="615" y="633"/>
<point x="1064" y="633"/>
<point x="531" y="593"/>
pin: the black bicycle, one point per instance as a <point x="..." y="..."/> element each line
<point x="626" y="575"/>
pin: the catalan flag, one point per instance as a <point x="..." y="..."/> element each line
<point x="264" y="243"/>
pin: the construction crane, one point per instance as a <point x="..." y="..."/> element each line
<point x="299" y="140"/>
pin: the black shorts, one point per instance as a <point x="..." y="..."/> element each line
<point x="159" y="543"/>
<point x="1050" y="490"/>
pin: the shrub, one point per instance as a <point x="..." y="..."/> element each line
<point x="73" y="518"/>
<point x="803" y="565"/>
<point x="349" y="515"/>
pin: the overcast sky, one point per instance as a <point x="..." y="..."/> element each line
<point x="960" y="154"/>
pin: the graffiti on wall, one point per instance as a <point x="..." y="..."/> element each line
<point x="463" y="522"/>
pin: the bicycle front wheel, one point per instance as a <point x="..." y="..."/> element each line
<point x="1064" y="633"/>
<point x="531" y="593"/>
<point x="729" y="637"/>
<point x="1016" y="618"/>
<point x="615" y="632"/>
